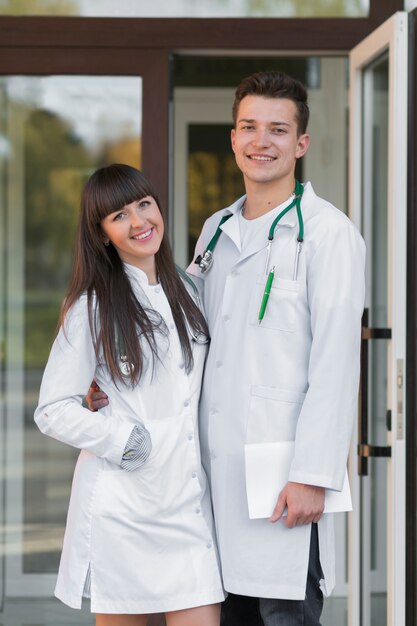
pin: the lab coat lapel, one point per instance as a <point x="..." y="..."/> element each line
<point x="231" y="227"/>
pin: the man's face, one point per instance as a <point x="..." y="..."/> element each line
<point x="265" y="141"/>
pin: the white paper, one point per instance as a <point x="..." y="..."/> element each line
<point x="267" y="468"/>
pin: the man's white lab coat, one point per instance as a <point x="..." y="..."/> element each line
<point x="292" y="377"/>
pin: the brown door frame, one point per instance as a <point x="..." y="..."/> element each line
<point x="136" y="46"/>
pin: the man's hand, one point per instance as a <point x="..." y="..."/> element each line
<point x="305" y="504"/>
<point x="96" y="399"/>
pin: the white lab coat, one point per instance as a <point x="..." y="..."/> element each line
<point x="145" y="537"/>
<point x="293" y="377"/>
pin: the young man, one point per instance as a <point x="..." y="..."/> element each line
<point x="279" y="368"/>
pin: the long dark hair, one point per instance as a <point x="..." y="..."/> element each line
<point x="116" y="316"/>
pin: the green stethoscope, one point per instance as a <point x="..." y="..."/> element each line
<point x="206" y="261"/>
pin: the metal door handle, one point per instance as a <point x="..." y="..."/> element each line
<point x="366" y="450"/>
<point x="375" y="333"/>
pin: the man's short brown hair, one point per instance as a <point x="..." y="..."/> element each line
<point x="274" y="84"/>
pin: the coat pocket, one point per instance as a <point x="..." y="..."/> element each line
<point x="280" y="312"/>
<point x="273" y="414"/>
<point x="153" y="489"/>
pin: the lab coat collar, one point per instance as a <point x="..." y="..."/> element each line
<point x="231" y="227"/>
<point x="136" y="274"/>
<point x="259" y="242"/>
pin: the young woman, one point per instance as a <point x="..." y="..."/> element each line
<point x="139" y="536"/>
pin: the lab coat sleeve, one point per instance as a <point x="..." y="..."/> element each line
<point x="336" y="291"/>
<point x="70" y="369"/>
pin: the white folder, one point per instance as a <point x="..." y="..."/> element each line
<point x="267" y="467"/>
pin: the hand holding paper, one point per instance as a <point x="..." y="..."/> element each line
<point x="267" y="471"/>
<point x="300" y="504"/>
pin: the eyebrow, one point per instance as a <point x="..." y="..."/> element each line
<point x="251" y="121"/>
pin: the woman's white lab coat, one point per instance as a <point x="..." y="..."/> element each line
<point x="292" y="377"/>
<point x="144" y="538"/>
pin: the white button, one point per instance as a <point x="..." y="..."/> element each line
<point x="172" y="326"/>
<point x="212" y="455"/>
<point x="190" y="436"/>
<point x="187" y="403"/>
<point x="181" y="366"/>
<point x="198" y="510"/>
<point x="226" y="318"/>
<point x="213" y="411"/>
<point x="219" y="364"/>
<point x="209" y="545"/>
<point x="157" y="290"/>
<point x="194" y="474"/>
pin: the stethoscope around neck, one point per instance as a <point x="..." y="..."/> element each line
<point x="205" y="261"/>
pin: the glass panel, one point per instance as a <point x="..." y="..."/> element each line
<point x="54" y="131"/>
<point x="188" y="8"/>
<point x="210" y="71"/>
<point x="214" y="179"/>
<point x="376" y="194"/>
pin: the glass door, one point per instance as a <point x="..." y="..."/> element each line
<point x="54" y="132"/>
<point x="378" y="114"/>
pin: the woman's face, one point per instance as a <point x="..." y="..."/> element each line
<point x="136" y="231"/>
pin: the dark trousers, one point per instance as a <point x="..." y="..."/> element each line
<point x="247" y="611"/>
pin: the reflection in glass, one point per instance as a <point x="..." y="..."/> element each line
<point x="189" y="8"/>
<point x="56" y="131"/>
<point x="214" y="180"/>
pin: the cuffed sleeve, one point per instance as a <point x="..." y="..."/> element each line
<point x="137" y="450"/>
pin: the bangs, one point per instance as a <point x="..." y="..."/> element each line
<point x="111" y="188"/>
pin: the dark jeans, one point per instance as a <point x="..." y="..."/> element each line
<point x="246" y="611"/>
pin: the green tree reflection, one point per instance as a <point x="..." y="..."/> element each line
<point x="284" y="8"/>
<point x="300" y="8"/>
<point x="38" y="7"/>
<point x="56" y="166"/>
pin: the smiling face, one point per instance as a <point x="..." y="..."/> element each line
<point x="266" y="142"/>
<point x="136" y="231"/>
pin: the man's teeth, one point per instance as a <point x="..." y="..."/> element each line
<point x="262" y="158"/>
<point x="143" y="235"/>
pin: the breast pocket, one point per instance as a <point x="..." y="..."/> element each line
<point x="273" y="414"/>
<point x="280" y="312"/>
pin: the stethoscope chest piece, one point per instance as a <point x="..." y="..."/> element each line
<point x="205" y="262"/>
<point x="125" y="367"/>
